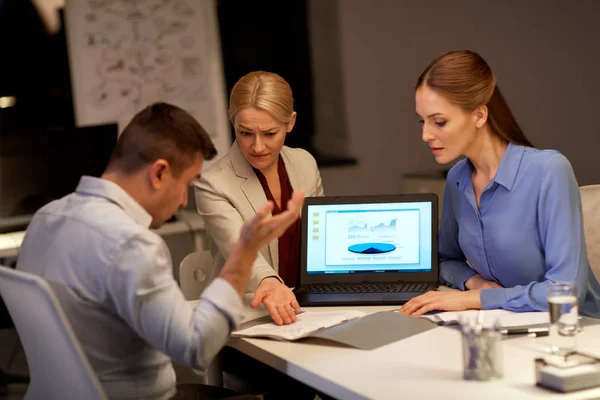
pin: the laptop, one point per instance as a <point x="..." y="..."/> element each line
<point x="368" y="250"/>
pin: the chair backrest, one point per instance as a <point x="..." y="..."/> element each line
<point x="195" y="273"/>
<point x="590" y="201"/>
<point x="58" y="367"/>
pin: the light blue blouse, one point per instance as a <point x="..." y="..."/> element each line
<point x="527" y="232"/>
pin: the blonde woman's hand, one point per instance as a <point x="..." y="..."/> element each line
<point x="278" y="299"/>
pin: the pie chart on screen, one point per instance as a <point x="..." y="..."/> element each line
<point x="372" y="248"/>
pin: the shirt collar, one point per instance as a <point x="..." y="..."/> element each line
<point x="111" y="191"/>
<point x="509" y="166"/>
<point x="507" y="171"/>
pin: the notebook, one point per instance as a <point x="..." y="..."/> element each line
<point x="363" y="250"/>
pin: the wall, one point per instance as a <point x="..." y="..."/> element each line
<point x="331" y="128"/>
<point x="545" y="55"/>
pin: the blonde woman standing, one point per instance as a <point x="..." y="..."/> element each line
<point x="258" y="168"/>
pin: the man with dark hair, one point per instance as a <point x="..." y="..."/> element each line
<point x="161" y="131"/>
<point x="113" y="275"/>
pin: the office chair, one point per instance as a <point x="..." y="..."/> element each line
<point x="58" y="368"/>
<point x="590" y="201"/>
<point x="195" y="273"/>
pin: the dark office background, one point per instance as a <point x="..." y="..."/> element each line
<point x="269" y="35"/>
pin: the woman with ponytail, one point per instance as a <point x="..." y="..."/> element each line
<point x="511" y="220"/>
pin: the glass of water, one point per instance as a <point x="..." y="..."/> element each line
<point x="564" y="316"/>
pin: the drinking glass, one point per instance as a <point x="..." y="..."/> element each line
<point x="564" y="316"/>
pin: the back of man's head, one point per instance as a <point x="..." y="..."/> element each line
<point x="161" y="131"/>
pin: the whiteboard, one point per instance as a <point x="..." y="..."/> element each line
<point x="127" y="54"/>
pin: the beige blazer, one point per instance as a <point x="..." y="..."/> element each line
<point x="229" y="193"/>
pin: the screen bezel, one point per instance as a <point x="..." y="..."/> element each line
<point x="429" y="276"/>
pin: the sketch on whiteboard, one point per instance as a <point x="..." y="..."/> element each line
<point x="131" y="53"/>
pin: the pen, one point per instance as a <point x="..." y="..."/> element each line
<point x="538" y="334"/>
<point x="540" y="331"/>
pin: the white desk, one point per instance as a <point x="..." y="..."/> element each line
<point x="425" y="366"/>
<point x="10" y="243"/>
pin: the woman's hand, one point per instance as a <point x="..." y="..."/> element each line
<point x="279" y="300"/>
<point x="442" y="301"/>
<point x="477" y="282"/>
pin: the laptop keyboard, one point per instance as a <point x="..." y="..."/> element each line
<point x="367" y="288"/>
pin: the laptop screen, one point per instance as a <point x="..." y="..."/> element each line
<point x="369" y="238"/>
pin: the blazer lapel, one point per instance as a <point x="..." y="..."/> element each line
<point x="251" y="186"/>
<point x="294" y="174"/>
<point x="253" y="191"/>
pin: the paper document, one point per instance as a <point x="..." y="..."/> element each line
<point x="306" y="324"/>
<point x="504" y="318"/>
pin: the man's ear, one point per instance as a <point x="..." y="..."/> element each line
<point x="290" y="125"/>
<point x="157" y="172"/>
<point x="481" y="115"/>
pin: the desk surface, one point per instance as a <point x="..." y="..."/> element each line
<point x="10" y="243"/>
<point x="425" y="366"/>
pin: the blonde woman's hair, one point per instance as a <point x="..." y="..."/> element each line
<point x="265" y="91"/>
